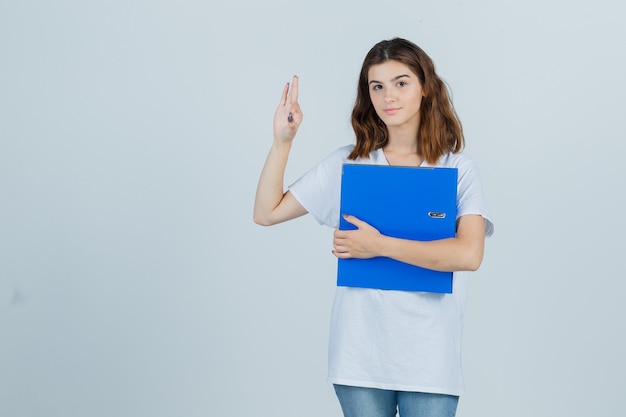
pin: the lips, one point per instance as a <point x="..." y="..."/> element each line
<point x="392" y="110"/>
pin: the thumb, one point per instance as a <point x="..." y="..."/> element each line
<point x="353" y="220"/>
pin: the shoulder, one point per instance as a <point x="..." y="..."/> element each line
<point x="455" y="160"/>
<point x="343" y="152"/>
<point x="338" y="156"/>
<point x="331" y="164"/>
<point x="461" y="161"/>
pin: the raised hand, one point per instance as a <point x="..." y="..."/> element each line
<point x="288" y="115"/>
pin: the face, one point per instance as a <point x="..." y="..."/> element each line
<point x="396" y="94"/>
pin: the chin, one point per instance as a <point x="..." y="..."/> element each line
<point x="394" y="123"/>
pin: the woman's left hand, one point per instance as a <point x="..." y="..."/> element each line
<point x="363" y="243"/>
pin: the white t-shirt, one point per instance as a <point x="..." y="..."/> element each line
<point x="396" y="340"/>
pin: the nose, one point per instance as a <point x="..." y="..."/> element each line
<point x="389" y="96"/>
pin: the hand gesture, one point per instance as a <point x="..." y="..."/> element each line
<point x="288" y="116"/>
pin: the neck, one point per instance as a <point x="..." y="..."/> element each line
<point x="402" y="139"/>
<point x="402" y="150"/>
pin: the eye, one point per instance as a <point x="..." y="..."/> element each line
<point x="377" y="87"/>
<point x="401" y="83"/>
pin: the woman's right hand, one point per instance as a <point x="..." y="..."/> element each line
<point x="288" y="116"/>
<point x="272" y="204"/>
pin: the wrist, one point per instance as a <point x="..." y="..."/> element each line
<point x="281" y="144"/>
<point x="383" y="245"/>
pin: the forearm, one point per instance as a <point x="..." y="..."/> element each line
<point x="270" y="190"/>
<point x="451" y="254"/>
<point x="464" y="252"/>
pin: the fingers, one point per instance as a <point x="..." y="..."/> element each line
<point x="294" y="90"/>
<point x="363" y="242"/>
<point x="353" y="220"/>
<point x="340" y="237"/>
<point x="290" y="95"/>
<point x="283" y="97"/>
<point x="295" y="115"/>
<point x="340" y="244"/>
<point x="343" y="252"/>
<point x="288" y="116"/>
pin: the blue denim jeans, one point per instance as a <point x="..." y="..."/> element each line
<point x="372" y="402"/>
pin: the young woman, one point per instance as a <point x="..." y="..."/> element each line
<point x="389" y="351"/>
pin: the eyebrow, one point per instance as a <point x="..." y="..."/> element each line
<point x="393" y="79"/>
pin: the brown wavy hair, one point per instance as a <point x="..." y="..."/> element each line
<point x="440" y="129"/>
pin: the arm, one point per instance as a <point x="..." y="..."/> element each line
<point x="464" y="252"/>
<point x="272" y="205"/>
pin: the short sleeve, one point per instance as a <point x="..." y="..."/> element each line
<point x="470" y="196"/>
<point x="319" y="189"/>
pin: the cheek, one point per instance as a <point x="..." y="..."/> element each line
<point x="418" y="99"/>
<point x="378" y="101"/>
<point x="375" y="100"/>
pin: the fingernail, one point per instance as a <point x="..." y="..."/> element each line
<point x="290" y="117"/>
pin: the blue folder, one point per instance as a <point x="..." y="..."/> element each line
<point x="417" y="203"/>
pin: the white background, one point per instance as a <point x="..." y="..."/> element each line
<point x="133" y="281"/>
